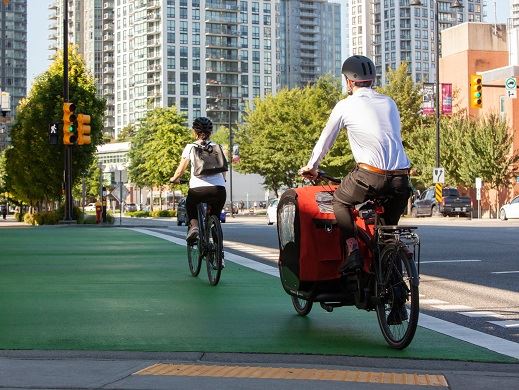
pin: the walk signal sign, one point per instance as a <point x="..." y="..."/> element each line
<point x="476" y="91"/>
<point x="69" y="124"/>
<point x="83" y="129"/>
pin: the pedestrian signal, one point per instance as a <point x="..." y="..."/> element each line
<point x="83" y="129"/>
<point x="476" y="91"/>
<point x="69" y="124"/>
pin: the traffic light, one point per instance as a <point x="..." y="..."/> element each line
<point x="83" y="129"/>
<point x="476" y="91"/>
<point x="69" y="124"/>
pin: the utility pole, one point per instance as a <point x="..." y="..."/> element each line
<point x="230" y="155"/>
<point x="68" y="218"/>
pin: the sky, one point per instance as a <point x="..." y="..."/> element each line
<point x="38" y="32"/>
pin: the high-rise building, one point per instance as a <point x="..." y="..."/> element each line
<point x="13" y="58"/>
<point x="206" y="57"/>
<point x="91" y="29"/>
<point x="393" y="31"/>
<point x="514" y="13"/>
<point x="309" y="41"/>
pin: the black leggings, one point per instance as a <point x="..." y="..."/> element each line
<point x="360" y="186"/>
<point x="214" y="196"/>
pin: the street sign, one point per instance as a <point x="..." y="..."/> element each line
<point x="438" y="193"/>
<point x="53" y="133"/>
<point x="511" y="87"/>
<point x="438" y="175"/>
<point x="119" y="190"/>
<point x="478" y="182"/>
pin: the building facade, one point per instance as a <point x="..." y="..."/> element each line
<point x="206" y="57"/>
<point x="393" y="31"/>
<point x="309" y="41"/>
<point x="13" y="60"/>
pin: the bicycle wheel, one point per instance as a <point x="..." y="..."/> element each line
<point x="214" y="250"/>
<point x="193" y="258"/>
<point x="398" y="302"/>
<point x="301" y="305"/>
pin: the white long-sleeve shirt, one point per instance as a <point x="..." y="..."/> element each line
<point x="372" y="121"/>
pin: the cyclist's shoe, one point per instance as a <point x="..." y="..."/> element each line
<point x="397" y="315"/>
<point x="192" y="235"/>
<point x="352" y="263"/>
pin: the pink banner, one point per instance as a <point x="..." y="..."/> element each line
<point x="447" y="99"/>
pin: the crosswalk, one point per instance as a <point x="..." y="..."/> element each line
<point x="499" y="319"/>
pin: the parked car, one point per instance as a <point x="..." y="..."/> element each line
<point x="227" y="208"/>
<point x="272" y="210"/>
<point x="130" y="207"/>
<point x="452" y="204"/>
<point x="510" y="209"/>
<point x="182" y="213"/>
<point x="90" y="207"/>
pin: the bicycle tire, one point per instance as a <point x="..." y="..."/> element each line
<point x="399" y="280"/>
<point x="214" y="250"/>
<point x="301" y="305"/>
<point x="194" y="260"/>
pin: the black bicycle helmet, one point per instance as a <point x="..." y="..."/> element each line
<point x="359" y="68"/>
<point x="202" y="125"/>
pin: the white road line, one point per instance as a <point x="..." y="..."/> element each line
<point x="506" y="323"/>
<point x="492" y="343"/>
<point x="450" y="261"/>
<point x="450" y="307"/>
<point x="476" y="314"/>
<point x="505" y="272"/>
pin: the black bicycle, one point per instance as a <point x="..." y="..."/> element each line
<point x="208" y="246"/>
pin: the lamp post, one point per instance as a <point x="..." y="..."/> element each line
<point x="454" y="4"/>
<point x="230" y="155"/>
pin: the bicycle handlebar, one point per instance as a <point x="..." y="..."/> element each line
<point x="323" y="175"/>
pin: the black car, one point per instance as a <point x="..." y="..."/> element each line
<point x="182" y="213"/>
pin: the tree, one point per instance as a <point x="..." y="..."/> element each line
<point x="408" y="98"/>
<point x="35" y="168"/>
<point x="489" y="154"/>
<point x="278" y="135"/>
<point x="127" y="133"/>
<point x="157" y="147"/>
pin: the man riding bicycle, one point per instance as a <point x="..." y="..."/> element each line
<point x="208" y="189"/>
<point x="372" y="121"/>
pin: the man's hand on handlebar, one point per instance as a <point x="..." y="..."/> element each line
<point x="308" y="172"/>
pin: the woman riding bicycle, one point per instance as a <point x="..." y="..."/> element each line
<point x="372" y="121"/>
<point x="208" y="189"/>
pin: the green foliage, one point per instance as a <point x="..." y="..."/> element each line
<point x="278" y="135"/>
<point x="138" y="214"/>
<point x="468" y="149"/>
<point x="157" y="147"/>
<point x="35" y="168"/>
<point x="163" y="213"/>
<point x="127" y="133"/>
<point x="407" y="96"/>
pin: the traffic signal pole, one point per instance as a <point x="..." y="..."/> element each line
<point x="68" y="217"/>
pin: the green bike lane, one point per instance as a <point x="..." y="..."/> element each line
<point x="111" y="289"/>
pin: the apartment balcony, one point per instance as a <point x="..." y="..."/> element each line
<point x="108" y="91"/>
<point x="53" y="6"/>
<point x="108" y="59"/>
<point x="108" y="48"/>
<point x="108" y="69"/>
<point x="107" y="27"/>
<point x="223" y="5"/>
<point x="108" y="15"/>
<point x="153" y="4"/>
<point x="154" y="42"/>
<point x="53" y="16"/>
<point x="108" y="5"/>
<point x="225" y="19"/>
<point x="108" y="80"/>
<point x="108" y="37"/>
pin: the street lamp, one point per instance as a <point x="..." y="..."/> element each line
<point x="454" y="4"/>
<point x="230" y="154"/>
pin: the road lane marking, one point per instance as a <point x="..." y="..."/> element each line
<point x="289" y="373"/>
<point x="506" y="323"/>
<point x="492" y="343"/>
<point x="450" y="307"/>
<point x="432" y="302"/>
<point x="505" y="272"/>
<point x="476" y="314"/>
<point x="450" y="261"/>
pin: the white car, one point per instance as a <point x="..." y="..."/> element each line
<point x="510" y="209"/>
<point x="90" y="207"/>
<point x="272" y="210"/>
